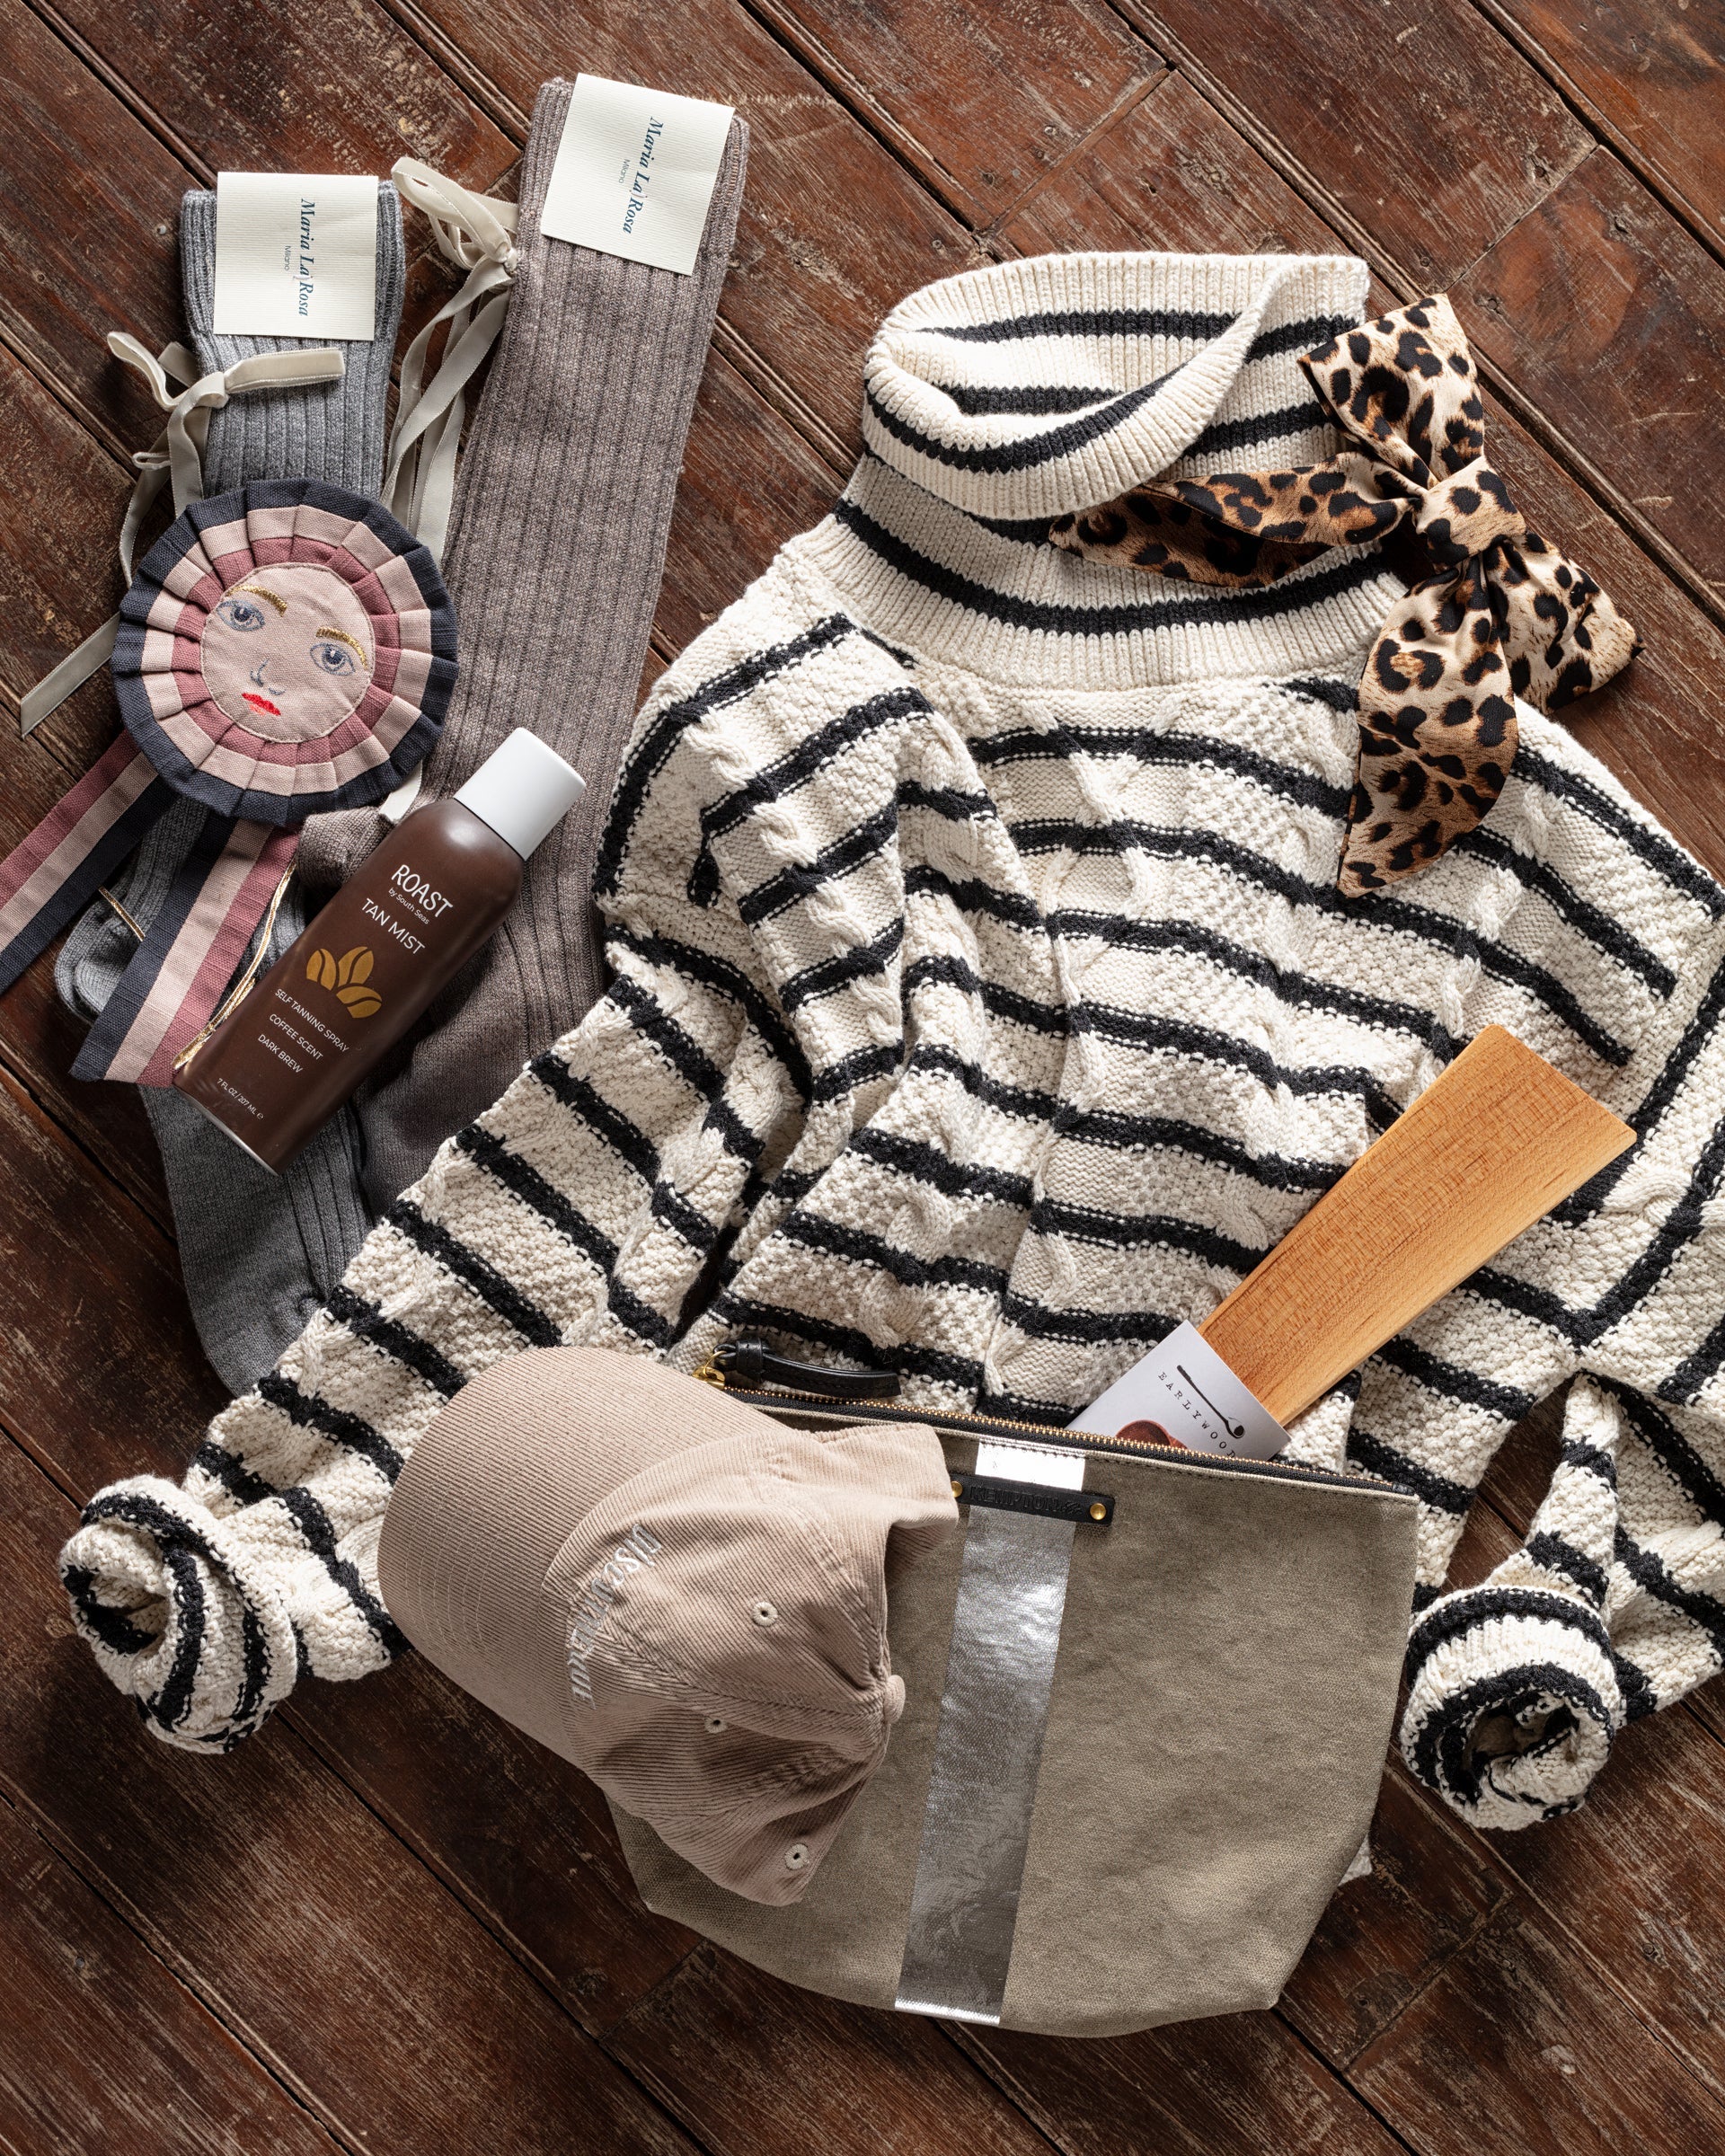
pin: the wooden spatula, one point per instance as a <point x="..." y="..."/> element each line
<point x="1487" y="1149"/>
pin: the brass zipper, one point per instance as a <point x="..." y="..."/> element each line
<point x="1028" y="1433"/>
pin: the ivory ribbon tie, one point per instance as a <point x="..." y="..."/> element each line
<point x="177" y="453"/>
<point x="1506" y="615"/>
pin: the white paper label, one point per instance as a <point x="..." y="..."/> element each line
<point x="634" y="172"/>
<point x="1182" y="1390"/>
<point x="297" y="255"/>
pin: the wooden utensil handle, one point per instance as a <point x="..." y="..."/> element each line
<point x="1485" y="1151"/>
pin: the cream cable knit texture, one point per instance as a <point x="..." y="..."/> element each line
<point x="984" y="1006"/>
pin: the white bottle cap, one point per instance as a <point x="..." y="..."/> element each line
<point x="523" y="790"/>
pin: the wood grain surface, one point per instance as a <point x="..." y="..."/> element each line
<point x="1493" y="1143"/>
<point x="388" y="1924"/>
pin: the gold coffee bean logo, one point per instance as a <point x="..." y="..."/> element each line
<point x="347" y="976"/>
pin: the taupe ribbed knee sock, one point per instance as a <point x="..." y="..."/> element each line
<point x="563" y="508"/>
<point x="259" y="1253"/>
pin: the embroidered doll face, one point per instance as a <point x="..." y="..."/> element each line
<point x="287" y="651"/>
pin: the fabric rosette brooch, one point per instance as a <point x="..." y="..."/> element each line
<point x="1505" y="616"/>
<point x="285" y="648"/>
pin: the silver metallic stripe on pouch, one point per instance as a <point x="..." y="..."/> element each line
<point x="988" y="1747"/>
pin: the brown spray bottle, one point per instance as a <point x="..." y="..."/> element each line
<point x="330" y="1009"/>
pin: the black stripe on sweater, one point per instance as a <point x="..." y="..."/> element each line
<point x="951" y="802"/>
<point x="1105" y="1230"/>
<point x="584" y="1099"/>
<point x="1135" y="1029"/>
<point x="1426" y="1483"/>
<point x="1672" y="1450"/>
<point x="861" y="1068"/>
<point x="630" y="1145"/>
<point x="367" y="1322"/>
<point x="1227" y="437"/>
<point x="971" y="897"/>
<point x="1029" y="451"/>
<point x="311" y="1411"/>
<point x="1184" y="324"/>
<point x="1458" y="1615"/>
<point x="1658" y="1101"/>
<point x="1086" y="1328"/>
<point x="826" y="976"/>
<point x="1705" y="1611"/>
<point x="1507" y="964"/>
<point x="978" y="400"/>
<point x="1177" y="751"/>
<point x="524" y="1181"/>
<point x="649" y="755"/>
<point x="954" y="972"/>
<point x="1304" y="991"/>
<point x="1047" y="834"/>
<point x="1455" y="1382"/>
<point x="1128" y="1133"/>
<point x="792" y="884"/>
<point x="1605" y="933"/>
<point x="719" y="974"/>
<point x="231" y="1472"/>
<point x="180" y="1545"/>
<point x="318" y="1531"/>
<point x="113" y="1628"/>
<point x="1292" y="595"/>
<point x="797" y="765"/>
<point x="932" y="1165"/>
<point x="859" y="1246"/>
<point x="1660" y="854"/>
<point x="1121" y="1133"/>
<point x="499" y="1293"/>
<point x="1554" y="1553"/>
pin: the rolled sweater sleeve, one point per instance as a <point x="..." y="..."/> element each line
<point x="583" y="1206"/>
<point x="1616" y="1604"/>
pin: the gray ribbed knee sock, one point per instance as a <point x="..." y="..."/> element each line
<point x="259" y="1253"/>
<point x="562" y="508"/>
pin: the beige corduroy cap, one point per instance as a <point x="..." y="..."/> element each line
<point x="676" y="1592"/>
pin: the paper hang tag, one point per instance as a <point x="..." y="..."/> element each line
<point x="634" y="172"/>
<point x="1182" y="1390"/>
<point x="296" y="256"/>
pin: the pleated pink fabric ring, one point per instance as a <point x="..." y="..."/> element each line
<point x="285" y="648"/>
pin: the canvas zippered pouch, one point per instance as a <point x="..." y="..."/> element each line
<point x="1149" y="1693"/>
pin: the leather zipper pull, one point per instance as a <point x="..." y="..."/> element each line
<point x="752" y="1367"/>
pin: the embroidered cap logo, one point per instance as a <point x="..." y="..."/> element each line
<point x="637" y="1548"/>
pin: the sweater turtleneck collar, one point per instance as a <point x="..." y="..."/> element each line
<point x="1000" y="399"/>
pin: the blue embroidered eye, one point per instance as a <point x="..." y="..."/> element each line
<point x="333" y="657"/>
<point x="244" y="615"/>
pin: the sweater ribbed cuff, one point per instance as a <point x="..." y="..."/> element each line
<point x="178" y="1618"/>
<point x="1513" y="1701"/>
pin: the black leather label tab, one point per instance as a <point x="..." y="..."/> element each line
<point x="1086" y="1508"/>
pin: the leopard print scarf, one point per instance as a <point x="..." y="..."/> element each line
<point x="1507" y="615"/>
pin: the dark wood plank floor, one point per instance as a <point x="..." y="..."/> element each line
<point x="388" y="1924"/>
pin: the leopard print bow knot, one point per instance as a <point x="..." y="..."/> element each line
<point x="1507" y="615"/>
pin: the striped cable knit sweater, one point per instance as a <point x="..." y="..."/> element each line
<point x="984" y="1006"/>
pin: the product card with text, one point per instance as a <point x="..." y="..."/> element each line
<point x="1184" y="1393"/>
<point x="635" y="171"/>
<point x="297" y="255"/>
